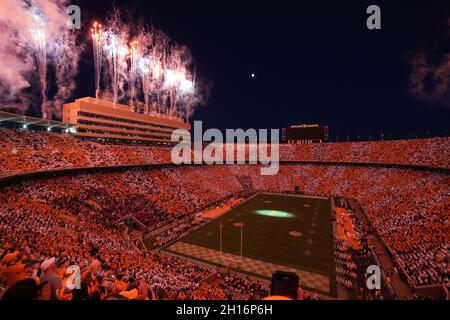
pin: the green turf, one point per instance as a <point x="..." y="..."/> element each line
<point x="267" y="238"/>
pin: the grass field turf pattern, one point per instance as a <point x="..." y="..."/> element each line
<point x="287" y="230"/>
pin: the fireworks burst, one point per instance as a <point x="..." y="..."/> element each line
<point x="116" y="53"/>
<point x="134" y="58"/>
<point x="144" y="71"/>
<point x="131" y="62"/>
<point x="40" y="48"/>
<point x="97" y="42"/>
<point x="163" y="68"/>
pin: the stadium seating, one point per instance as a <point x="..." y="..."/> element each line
<point x="25" y="150"/>
<point x="402" y="204"/>
<point x="77" y="218"/>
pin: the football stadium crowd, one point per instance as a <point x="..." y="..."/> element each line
<point x="424" y="152"/>
<point x="23" y="150"/>
<point x="353" y="252"/>
<point x="83" y="211"/>
<point x="34" y="233"/>
<point x="48" y="224"/>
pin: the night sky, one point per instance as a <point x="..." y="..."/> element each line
<point x="313" y="63"/>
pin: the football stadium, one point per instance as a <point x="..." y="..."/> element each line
<point x="274" y="225"/>
<point x="94" y="207"/>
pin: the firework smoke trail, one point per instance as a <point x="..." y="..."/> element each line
<point x="142" y="68"/>
<point x="97" y="42"/>
<point x="172" y="80"/>
<point x="158" y="61"/>
<point x="188" y="95"/>
<point x="62" y="51"/>
<point x="66" y="53"/>
<point x="157" y="77"/>
<point x="152" y="46"/>
<point x="116" y="52"/>
<point x="134" y="58"/>
<point x="40" y="48"/>
<point x="151" y="73"/>
<point x="144" y="71"/>
<point x="176" y="79"/>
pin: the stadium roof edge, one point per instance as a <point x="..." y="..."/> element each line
<point x="21" y="119"/>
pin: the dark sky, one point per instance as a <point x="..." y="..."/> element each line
<point x="314" y="63"/>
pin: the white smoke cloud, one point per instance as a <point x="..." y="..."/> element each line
<point x="18" y="62"/>
<point x="429" y="80"/>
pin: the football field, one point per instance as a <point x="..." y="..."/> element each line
<point x="273" y="232"/>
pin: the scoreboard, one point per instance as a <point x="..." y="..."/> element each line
<point x="305" y="134"/>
